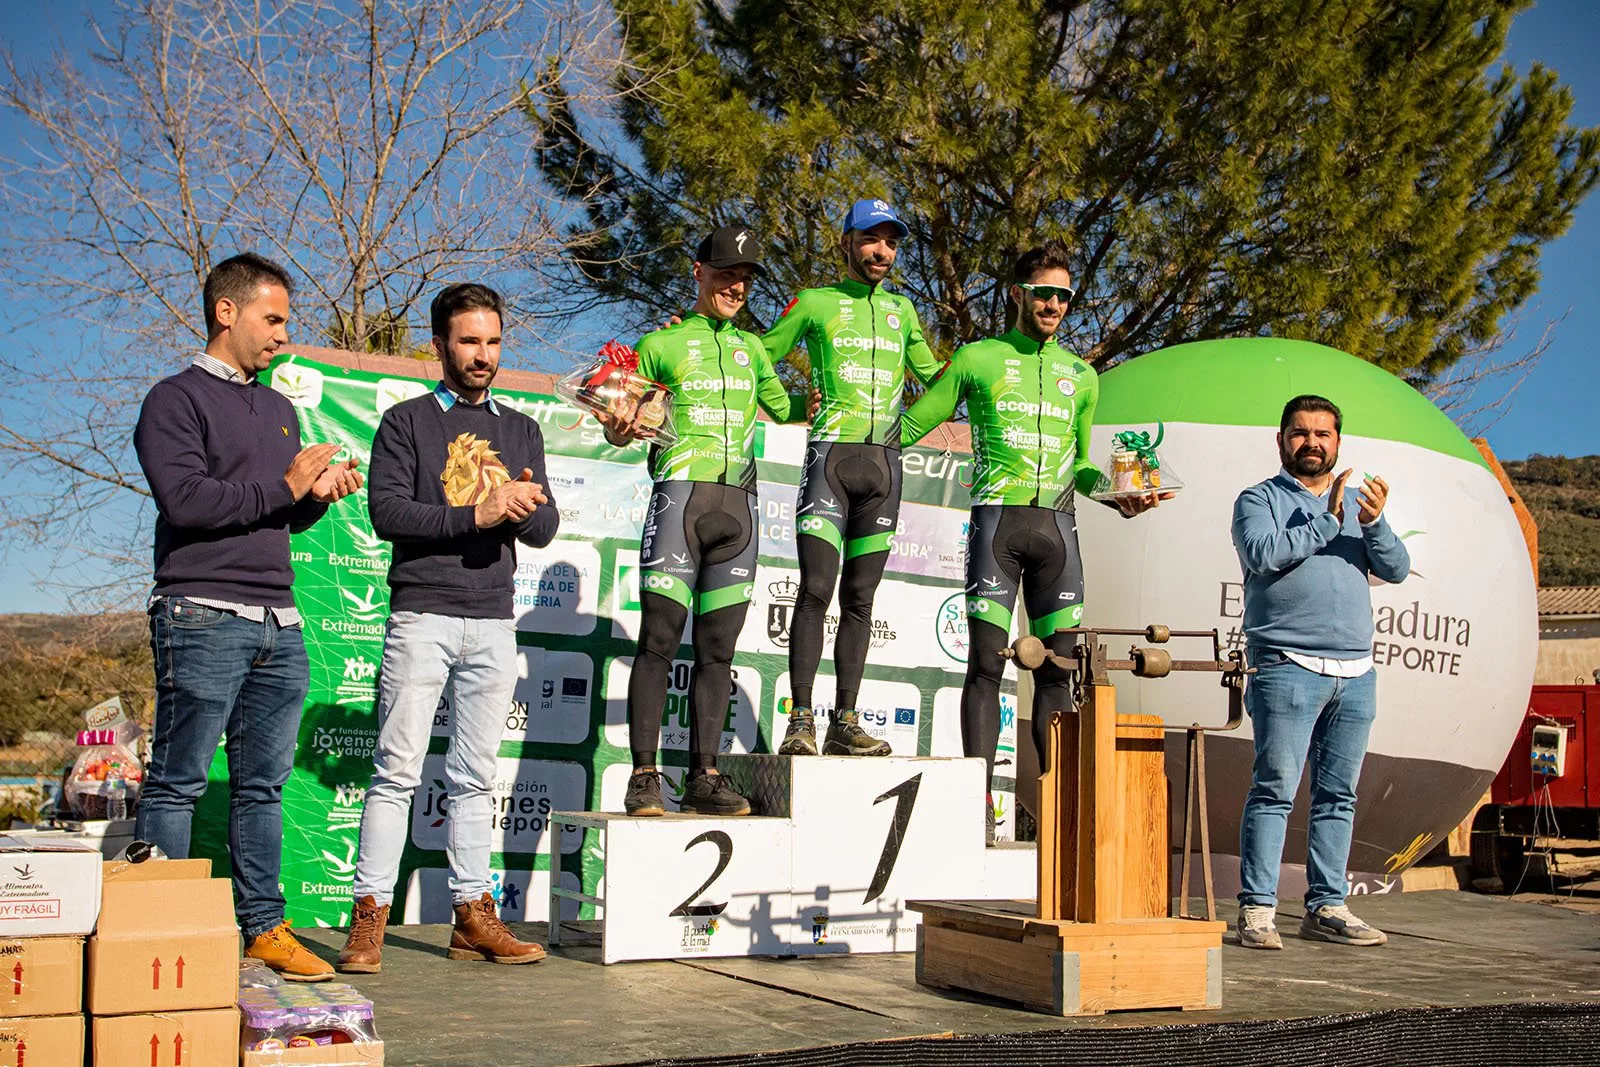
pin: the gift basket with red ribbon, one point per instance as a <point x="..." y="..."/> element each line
<point x="612" y="386"/>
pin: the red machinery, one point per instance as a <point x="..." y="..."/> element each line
<point x="1549" y="785"/>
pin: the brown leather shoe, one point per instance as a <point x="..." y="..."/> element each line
<point x="363" y="949"/>
<point x="279" y="949"/>
<point x="480" y="935"/>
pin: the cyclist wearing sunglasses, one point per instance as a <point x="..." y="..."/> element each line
<point x="698" y="549"/>
<point x="1031" y="405"/>
<point x="860" y="340"/>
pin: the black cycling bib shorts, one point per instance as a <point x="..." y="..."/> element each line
<point x="698" y="551"/>
<point x="1036" y="549"/>
<point x="848" y="505"/>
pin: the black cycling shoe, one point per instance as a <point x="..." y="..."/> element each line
<point x="801" y="737"/>
<point x="846" y="738"/>
<point x="710" y="794"/>
<point x="988" y="819"/>
<point x="644" y="794"/>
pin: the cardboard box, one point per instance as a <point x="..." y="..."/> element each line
<point x="49" y="886"/>
<point x="167" y="941"/>
<point x="369" y="1055"/>
<point x="174" y="1039"/>
<point x="41" y="976"/>
<point x="42" y="1041"/>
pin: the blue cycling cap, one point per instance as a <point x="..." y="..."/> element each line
<point x="865" y="214"/>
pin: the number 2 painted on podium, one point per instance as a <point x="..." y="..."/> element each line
<point x="905" y="795"/>
<point x="724" y="845"/>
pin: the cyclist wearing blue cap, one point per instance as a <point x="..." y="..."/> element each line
<point x="860" y="340"/>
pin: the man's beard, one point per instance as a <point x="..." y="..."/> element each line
<point x="458" y="378"/>
<point x="860" y="264"/>
<point x="1035" y="327"/>
<point x="1306" y="462"/>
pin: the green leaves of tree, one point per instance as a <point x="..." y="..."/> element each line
<point x="1353" y="172"/>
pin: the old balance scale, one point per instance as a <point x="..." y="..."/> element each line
<point x="1099" y="938"/>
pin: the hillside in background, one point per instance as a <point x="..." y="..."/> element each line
<point x="1564" y="495"/>
<point x="54" y="666"/>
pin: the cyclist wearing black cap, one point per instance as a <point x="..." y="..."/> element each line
<point x="860" y="340"/>
<point x="698" y="549"/>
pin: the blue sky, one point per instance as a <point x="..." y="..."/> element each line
<point x="1554" y="412"/>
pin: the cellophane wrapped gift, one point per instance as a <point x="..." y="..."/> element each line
<point x="1136" y="468"/>
<point x="612" y="385"/>
<point x="295" y="1015"/>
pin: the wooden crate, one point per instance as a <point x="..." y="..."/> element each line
<point x="1059" y="967"/>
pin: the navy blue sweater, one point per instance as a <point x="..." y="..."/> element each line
<point x="215" y="453"/>
<point x="442" y="562"/>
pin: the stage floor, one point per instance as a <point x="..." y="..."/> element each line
<point x="1446" y="949"/>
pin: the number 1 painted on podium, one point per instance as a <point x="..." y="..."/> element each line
<point x="905" y="795"/>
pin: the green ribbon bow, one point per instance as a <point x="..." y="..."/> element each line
<point x="1139" y="441"/>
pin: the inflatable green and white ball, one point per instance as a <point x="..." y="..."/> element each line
<point x="1455" y="644"/>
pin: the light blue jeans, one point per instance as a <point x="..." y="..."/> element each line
<point x="422" y="653"/>
<point x="1301" y="717"/>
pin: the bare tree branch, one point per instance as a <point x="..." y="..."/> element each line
<point x="377" y="147"/>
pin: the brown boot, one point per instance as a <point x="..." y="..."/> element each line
<point x="480" y="935"/>
<point x="363" y="949"/>
<point x="279" y="949"/>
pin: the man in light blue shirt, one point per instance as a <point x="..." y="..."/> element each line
<point x="1306" y="545"/>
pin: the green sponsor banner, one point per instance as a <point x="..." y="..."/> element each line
<point x="565" y="743"/>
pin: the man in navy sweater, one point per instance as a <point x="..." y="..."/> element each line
<point x="222" y="454"/>
<point x="1306" y="544"/>
<point x="443" y="492"/>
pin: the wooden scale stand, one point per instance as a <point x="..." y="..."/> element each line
<point x="1099" y="938"/>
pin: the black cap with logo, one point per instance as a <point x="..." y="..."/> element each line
<point x="730" y="246"/>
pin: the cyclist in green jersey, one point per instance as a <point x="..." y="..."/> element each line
<point x="1031" y="405"/>
<point x="698" y="548"/>
<point x="860" y="340"/>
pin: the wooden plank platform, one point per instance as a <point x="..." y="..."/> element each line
<point x="1000" y="949"/>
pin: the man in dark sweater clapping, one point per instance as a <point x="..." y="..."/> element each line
<point x="222" y="454"/>
<point x="444" y="493"/>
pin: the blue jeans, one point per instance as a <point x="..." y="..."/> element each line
<point x="219" y="674"/>
<point x="423" y="652"/>
<point x="1300" y="716"/>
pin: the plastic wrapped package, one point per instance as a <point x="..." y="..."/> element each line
<point x="612" y="385"/>
<point x="106" y="778"/>
<point x="303" y="1017"/>
<point x="1136" y="468"/>
<point x="255" y="974"/>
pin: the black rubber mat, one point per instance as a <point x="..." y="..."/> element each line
<point x="1551" y="1035"/>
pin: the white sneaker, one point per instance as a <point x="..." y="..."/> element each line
<point x="1258" y="927"/>
<point x="1334" y="922"/>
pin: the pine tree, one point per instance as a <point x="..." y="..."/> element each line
<point x="1354" y="172"/>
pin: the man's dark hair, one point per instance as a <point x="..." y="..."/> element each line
<point x="237" y="278"/>
<point x="1311" y="402"/>
<point x="1051" y="256"/>
<point x="463" y="296"/>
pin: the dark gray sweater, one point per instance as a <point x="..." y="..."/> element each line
<point x="444" y="564"/>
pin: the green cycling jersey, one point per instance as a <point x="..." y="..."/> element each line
<point x="717" y="373"/>
<point x="1031" y="406"/>
<point x="860" y="340"/>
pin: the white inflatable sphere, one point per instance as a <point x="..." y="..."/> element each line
<point x="1455" y="644"/>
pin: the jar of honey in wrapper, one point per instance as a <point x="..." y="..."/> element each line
<point x="1135" y="466"/>
<point x="1132" y="473"/>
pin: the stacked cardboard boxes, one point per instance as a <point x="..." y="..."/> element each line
<point x="49" y="899"/>
<point x="163" y="967"/>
